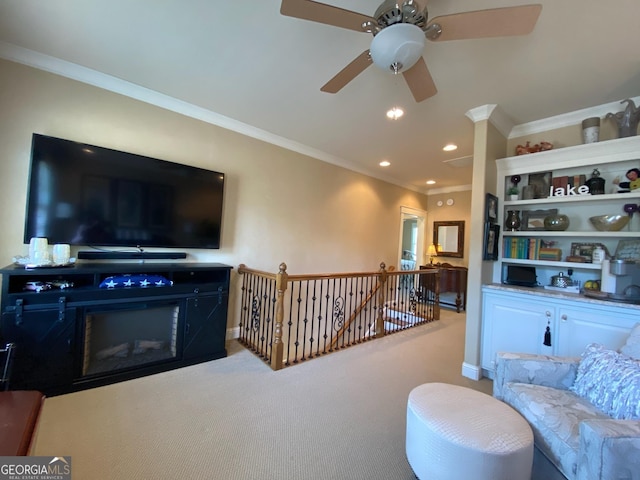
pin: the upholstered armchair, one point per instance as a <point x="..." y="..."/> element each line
<point x="572" y="405"/>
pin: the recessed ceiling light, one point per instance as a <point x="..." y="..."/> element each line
<point x="385" y="163"/>
<point x="450" y="147"/>
<point x="395" y="113"/>
<point x="431" y="182"/>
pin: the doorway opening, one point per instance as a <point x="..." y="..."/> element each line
<point x="412" y="234"/>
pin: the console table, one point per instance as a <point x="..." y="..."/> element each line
<point x="71" y="333"/>
<point x="452" y="280"/>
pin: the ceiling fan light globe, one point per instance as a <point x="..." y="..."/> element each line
<point x="400" y="44"/>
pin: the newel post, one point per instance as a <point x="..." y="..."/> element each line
<point x="277" y="347"/>
<point x="382" y="282"/>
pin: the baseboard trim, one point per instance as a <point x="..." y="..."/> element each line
<point x="474" y="372"/>
<point x="233" y="333"/>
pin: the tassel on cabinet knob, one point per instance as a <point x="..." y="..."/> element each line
<point x="547" y="337"/>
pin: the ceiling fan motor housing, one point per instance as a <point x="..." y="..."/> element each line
<point x="391" y="12"/>
<point x="397" y="47"/>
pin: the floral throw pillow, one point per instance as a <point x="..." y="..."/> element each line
<point x="632" y="346"/>
<point x="610" y="381"/>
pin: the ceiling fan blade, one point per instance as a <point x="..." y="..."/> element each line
<point x="348" y="73"/>
<point x="496" y="22"/>
<point x="419" y="80"/>
<point x="328" y="14"/>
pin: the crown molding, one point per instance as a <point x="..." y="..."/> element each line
<point x="97" y="79"/>
<point x="495" y="115"/>
<point x="480" y="113"/>
<point x="456" y="188"/>
<point x="566" y="119"/>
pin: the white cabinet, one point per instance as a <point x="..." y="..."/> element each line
<point x="578" y="326"/>
<point x="515" y="320"/>
<point x="514" y="324"/>
<point x="612" y="158"/>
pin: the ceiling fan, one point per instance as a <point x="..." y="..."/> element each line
<point x="399" y="30"/>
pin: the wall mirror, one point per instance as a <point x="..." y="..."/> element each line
<point x="449" y="238"/>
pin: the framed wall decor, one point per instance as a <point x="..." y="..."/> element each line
<point x="491" y="236"/>
<point x="491" y="209"/>
<point x="541" y="183"/>
<point x="449" y="238"/>
<point x="534" y="219"/>
<point x="585" y="250"/>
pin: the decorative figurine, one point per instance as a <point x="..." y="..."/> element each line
<point x="538" y="147"/>
<point x="627" y="120"/>
<point x="633" y="176"/>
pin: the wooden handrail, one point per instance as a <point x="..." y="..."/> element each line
<point x="242" y="269"/>
<point x="264" y="330"/>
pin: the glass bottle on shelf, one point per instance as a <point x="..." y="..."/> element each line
<point x="512" y="222"/>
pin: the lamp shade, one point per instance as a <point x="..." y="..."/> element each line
<point x="432" y="250"/>
<point x="397" y="47"/>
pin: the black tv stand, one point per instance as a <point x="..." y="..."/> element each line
<point x="64" y="335"/>
<point x="140" y="255"/>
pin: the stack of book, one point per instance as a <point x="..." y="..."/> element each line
<point x="520" y="247"/>
<point x="529" y="249"/>
<point x="554" y="254"/>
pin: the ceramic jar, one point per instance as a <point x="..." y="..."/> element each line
<point x="591" y="130"/>
<point x="556" y="222"/>
<point x="597" y="255"/>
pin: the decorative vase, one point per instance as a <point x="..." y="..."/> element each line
<point x="591" y="130"/>
<point x="627" y="120"/>
<point x="557" y="222"/>
<point x="512" y="222"/>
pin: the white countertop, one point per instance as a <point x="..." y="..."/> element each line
<point x="541" y="292"/>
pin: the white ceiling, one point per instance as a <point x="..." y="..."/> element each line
<point x="245" y="61"/>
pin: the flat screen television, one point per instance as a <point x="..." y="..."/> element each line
<point x="93" y="196"/>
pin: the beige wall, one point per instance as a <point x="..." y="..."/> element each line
<point x="460" y="210"/>
<point x="278" y="205"/>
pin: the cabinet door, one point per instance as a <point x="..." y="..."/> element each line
<point x="578" y="327"/>
<point x="205" y="326"/>
<point x="44" y="340"/>
<point x="513" y="325"/>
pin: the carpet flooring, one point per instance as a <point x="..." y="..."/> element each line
<point x="341" y="416"/>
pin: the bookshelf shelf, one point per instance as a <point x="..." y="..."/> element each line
<point x="544" y="233"/>
<point x="549" y="263"/>
<point x="612" y="159"/>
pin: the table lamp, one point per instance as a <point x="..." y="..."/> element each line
<point x="432" y="251"/>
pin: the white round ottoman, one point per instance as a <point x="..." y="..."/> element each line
<point x="456" y="433"/>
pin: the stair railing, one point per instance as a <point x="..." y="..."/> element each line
<point x="287" y="319"/>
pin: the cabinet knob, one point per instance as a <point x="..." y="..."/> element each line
<point x="564" y="318"/>
<point x="548" y="313"/>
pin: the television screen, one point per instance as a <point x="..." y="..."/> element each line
<point x="86" y="195"/>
